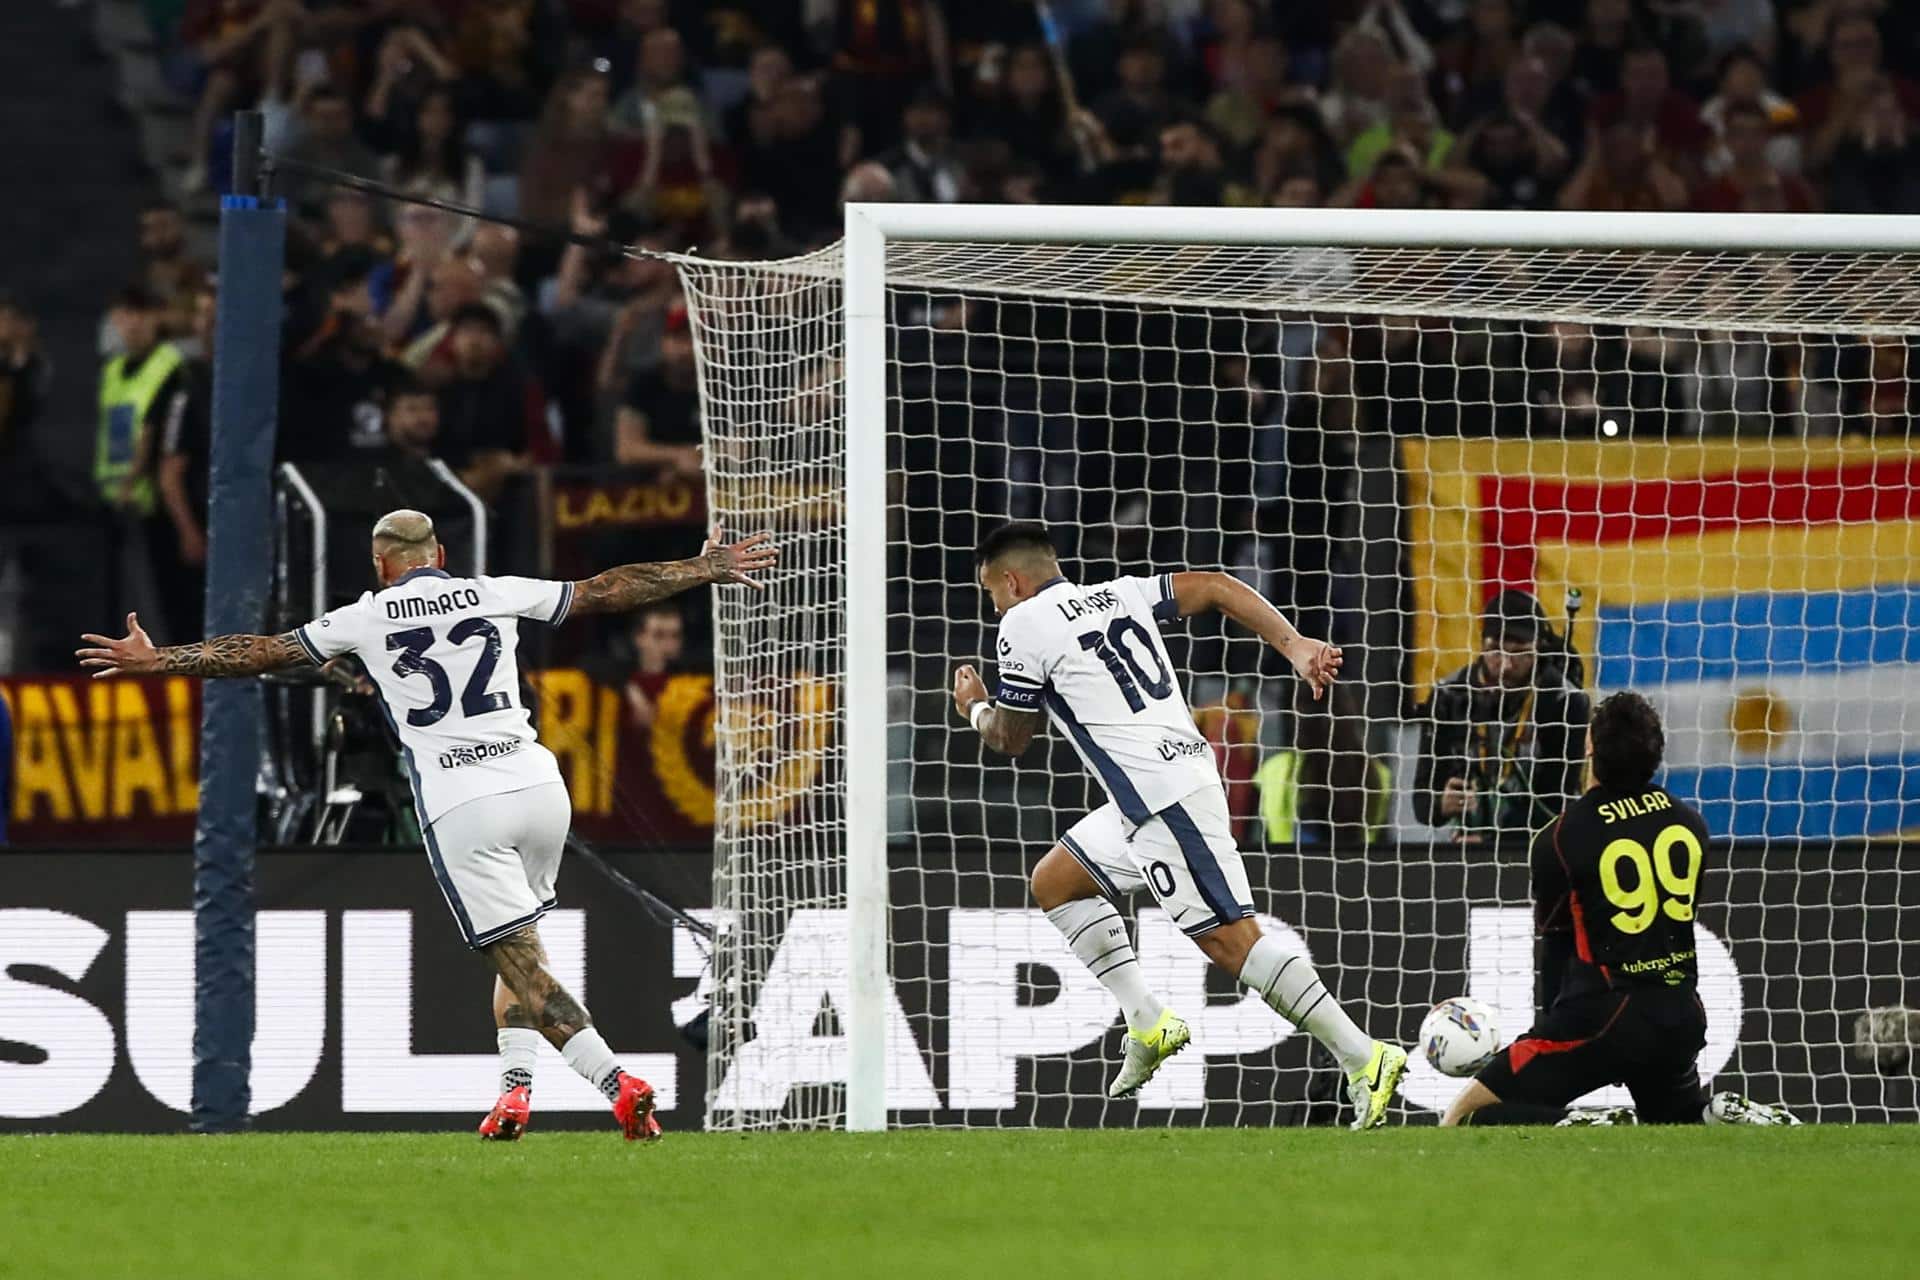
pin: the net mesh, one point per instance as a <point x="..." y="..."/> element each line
<point x="1702" y="465"/>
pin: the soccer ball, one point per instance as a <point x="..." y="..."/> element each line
<point x="1460" y="1036"/>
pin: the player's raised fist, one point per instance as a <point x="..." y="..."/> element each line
<point x="968" y="688"/>
<point x="129" y="656"/>
<point x="736" y="562"/>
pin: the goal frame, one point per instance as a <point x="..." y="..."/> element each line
<point x="870" y="228"/>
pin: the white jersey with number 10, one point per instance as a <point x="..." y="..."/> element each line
<point x="444" y="653"/>
<point x="1092" y="657"/>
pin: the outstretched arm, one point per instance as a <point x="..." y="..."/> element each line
<point x="631" y="585"/>
<point x="1316" y="661"/>
<point x="1002" y="728"/>
<point x="136" y="654"/>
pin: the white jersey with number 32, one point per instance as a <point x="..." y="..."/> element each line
<point x="1092" y="657"/>
<point x="443" y="651"/>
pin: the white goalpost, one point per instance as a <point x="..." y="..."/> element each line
<point x="1689" y="436"/>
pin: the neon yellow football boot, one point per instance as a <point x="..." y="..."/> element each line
<point x="1146" y="1050"/>
<point x="1372" y="1089"/>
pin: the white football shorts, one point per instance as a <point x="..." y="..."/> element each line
<point x="496" y="858"/>
<point x="1185" y="854"/>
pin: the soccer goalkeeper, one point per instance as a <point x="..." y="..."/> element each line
<point x="1615" y="880"/>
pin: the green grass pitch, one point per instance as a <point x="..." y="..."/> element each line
<point x="1619" y="1204"/>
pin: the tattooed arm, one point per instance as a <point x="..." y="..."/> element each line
<point x="631" y="585"/>
<point x="1005" y="729"/>
<point x="136" y="654"/>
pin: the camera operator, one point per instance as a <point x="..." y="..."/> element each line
<point x="1502" y="746"/>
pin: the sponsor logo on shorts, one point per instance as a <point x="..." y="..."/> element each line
<point x="1174" y="748"/>
<point x="459" y="756"/>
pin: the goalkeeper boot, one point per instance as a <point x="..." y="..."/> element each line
<point x="1146" y="1050"/>
<point x="633" y="1108"/>
<point x="1604" y="1117"/>
<point x="1731" y="1108"/>
<point x="1372" y="1089"/>
<point x="509" y="1117"/>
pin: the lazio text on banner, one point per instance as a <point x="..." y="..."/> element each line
<point x="1766" y="596"/>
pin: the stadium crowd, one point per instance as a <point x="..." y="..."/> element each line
<point x="738" y="127"/>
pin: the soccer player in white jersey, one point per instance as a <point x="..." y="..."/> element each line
<point x="1092" y="659"/>
<point x="493" y="809"/>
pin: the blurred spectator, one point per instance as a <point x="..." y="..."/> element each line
<point x="662" y="69"/>
<point x="1135" y="111"/>
<point x="1752" y="182"/>
<point x="885" y="51"/>
<point x="868" y="183"/>
<point x="135" y="387"/>
<point x="1622" y="169"/>
<point x="1324" y="788"/>
<point x="1239" y="112"/>
<point x="168" y="270"/>
<point x="1647" y="102"/>
<point x="658" y="635"/>
<point x="351" y="225"/>
<point x="1294" y="145"/>
<point x="1730" y="26"/>
<point x="25" y="375"/>
<point x="493" y="413"/>
<point x="658" y="424"/>
<point x="412" y="426"/>
<point x="1876" y="165"/>
<point x="1521" y="162"/>
<point x="494" y="253"/>
<point x="1605" y="35"/>
<point x="1356" y="96"/>
<point x="570" y="151"/>
<point x="431" y="157"/>
<point x="1027" y="113"/>
<point x="333" y="386"/>
<point x="409" y="70"/>
<point x="1410" y="121"/>
<point x="453" y="284"/>
<point x="1232" y="26"/>
<point x="679" y="183"/>
<point x="1504" y="743"/>
<point x="401" y="289"/>
<point x="790" y="151"/>
<point x="509" y="53"/>
<point x="326" y="139"/>
<point x="923" y="166"/>
<point x="1192" y="170"/>
<point x="769" y="72"/>
<point x="1743" y="81"/>
<point x="619" y="45"/>
<point x="186" y="447"/>
<point x="1473" y="64"/>
<point x="230" y="52"/>
<point x="1535" y="89"/>
<point x="1832" y="110"/>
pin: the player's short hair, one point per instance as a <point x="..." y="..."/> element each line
<point x="406" y="533"/>
<point x="1627" y="741"/>
<point x="407" y="386"/>
<point x="1014" y="538"/>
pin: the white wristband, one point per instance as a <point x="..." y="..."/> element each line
<point x="978" y="710"/>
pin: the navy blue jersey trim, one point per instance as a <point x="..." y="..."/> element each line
<point x="1100" y="877"/>
<point x="434" y="860"/>
<point x="500" y="931"/>
<point x="1204" y="867"/>
<point x="1166" y="608"/>
<point x="424" y="571"/>
<point x="300" y="634"/>
<point x="1118" y="785"/>
<point x="565" y="607"/>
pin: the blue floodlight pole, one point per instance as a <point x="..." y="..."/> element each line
<point x="246" y="395"/>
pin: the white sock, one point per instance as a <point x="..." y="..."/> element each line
<point x="1289" y="984"/>
<point x="587" y="1053"/>
<point x="1098" y="936"/>
<point x="519" y="1047"/>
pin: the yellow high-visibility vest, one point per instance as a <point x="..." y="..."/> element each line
<point x="124" y="405"/>
<point x="1279" y="781"/>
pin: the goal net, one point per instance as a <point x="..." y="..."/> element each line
<point x="1695" y="452"/>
